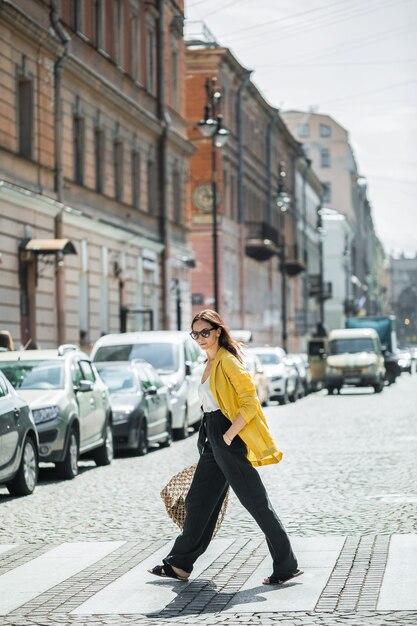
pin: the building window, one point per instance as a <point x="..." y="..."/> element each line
<point x="150" y="60"/>
<point x="25" y="117"/>
<point x="99" y="158"/>
<point x="135" y="46"/>
<point x="99" y="24"/>
<point x="325" y="130"/>
<point x="118" y="169"/>
<point x="118" y="32"/>
<point x="135" y="179"/>
<point x="152" y="187"/>
<point x="176" y="190"/>
<point x="303" y="130"/>
<point x="225" y="194"/>
<point x="233" y="202"/>
<point x="324" y="157"/>
<point x="174" y="73"/>
<point x="78" y="149"/>
<point x="327" y="192"/>
<point x="83" y="303"/>
<point x="77" y="16"/>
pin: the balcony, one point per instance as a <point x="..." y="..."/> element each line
<point x="294" y="263"/>
<point x="261" y="241"/>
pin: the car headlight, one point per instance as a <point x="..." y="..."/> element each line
<point x="122" y="415"/>
<point x="368" y="369"/>
<point x="275" y="378"/>
<point x="174" y="387"/>
<point x="46" y="414"/>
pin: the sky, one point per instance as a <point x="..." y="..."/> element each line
<point x="353" y="60"/>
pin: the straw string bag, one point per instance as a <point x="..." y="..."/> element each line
<point x="175" y="492"/>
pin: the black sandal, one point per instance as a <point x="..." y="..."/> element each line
<point x="166" y="571"/>
<point x="273" y="580"/>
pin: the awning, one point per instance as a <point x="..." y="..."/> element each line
<point x="49" y="246"/>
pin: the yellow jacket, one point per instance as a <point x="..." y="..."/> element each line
<point x="235" y="393"/>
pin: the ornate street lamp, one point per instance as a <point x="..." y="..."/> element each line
<point x="283" y="204"/>
<point x="211" y="126"/>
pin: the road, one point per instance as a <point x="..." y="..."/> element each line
<point x="345" y="486"/>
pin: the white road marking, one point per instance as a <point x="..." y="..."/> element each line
<point x="27" y="581"/>
<point x="399" y="586"/>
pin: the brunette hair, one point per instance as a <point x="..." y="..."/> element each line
<point x="6" y="340"/>
<point x="225" y="340"/>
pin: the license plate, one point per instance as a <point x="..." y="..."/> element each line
<point x="352" y="380"/>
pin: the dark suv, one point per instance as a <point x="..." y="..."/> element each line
<point x="18" y="442"/>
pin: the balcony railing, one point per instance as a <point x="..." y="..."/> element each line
<point x="262" y="241"/>
<point x="294" y="262"/>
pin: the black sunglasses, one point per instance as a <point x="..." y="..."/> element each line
<point x="195" y="334"/>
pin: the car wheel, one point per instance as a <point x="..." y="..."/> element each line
<point x="379" y="387"/>
<point x="68" y="468"/>
<point x="284" y="399"/>
<point x="105" y="454"/>
<point x="142" y="447"/>
<point x="168" y="440"/>
<point x="24" y="483"/>
<point x="182" y="433"/>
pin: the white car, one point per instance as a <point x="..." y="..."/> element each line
<point x="282" y="380"/>
<point x="176" y="358"/>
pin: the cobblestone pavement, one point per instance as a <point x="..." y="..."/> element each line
<point x="348" y="469"/>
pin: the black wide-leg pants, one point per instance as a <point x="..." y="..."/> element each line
<point x="219" y="466"/>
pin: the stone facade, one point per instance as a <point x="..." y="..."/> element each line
<point x="251" y="231"/>
<point x="93" y="149"/>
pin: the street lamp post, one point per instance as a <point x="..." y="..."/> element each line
<point x="211" y="126"/>
<point x="283" y="204"/>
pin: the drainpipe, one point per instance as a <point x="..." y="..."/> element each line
<point x="270" y="215"/>
<point x="270" y="126"/>
<point x="305" y="255"/>
<point x="240" y="211"/>
<point x="165" y="226"/>
<point x="59" y="183"/>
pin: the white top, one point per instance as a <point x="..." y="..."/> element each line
<point x="206" y="397"/>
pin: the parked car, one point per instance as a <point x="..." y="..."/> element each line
<point x="255" y="369"/>
<point x="176" y="358"/>
<point x="141" y="405"/>
<point x="304" y="374"/>
<point x="69" y="402"/>
<point x="19" y="443"/>
<point x="281" y="377"/>
<point x="404" y="360"/>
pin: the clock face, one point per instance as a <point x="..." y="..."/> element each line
<point x="203" y="197"/>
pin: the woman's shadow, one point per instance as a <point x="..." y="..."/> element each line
<point x="202" y="596"/>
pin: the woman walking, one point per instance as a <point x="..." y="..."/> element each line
<point x="233" y="439"/>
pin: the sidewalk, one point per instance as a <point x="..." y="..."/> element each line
<point x="362" y="581"/>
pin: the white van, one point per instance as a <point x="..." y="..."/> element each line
<point x="177" y="359"/>
<point x="354" y="357"/>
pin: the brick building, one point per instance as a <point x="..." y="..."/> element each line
<point x="251" y="230"/>
<point x="93" y="160"/>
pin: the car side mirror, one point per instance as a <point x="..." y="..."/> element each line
<point x="151" y="391"/>
<point x="188" y="368"/>
<point x="84" y="385"/>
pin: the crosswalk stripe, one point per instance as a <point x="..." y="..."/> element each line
<point x="316" y="557"/>
<point x="399" y="586"/>
<point x="27" y="581"/>
<point x="140" y="592"/>
<point x="5" y="547"/>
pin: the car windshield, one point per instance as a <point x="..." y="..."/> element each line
<point x="118" y="379"/>
<point x="343" y="346"/>
<point x="268" y="358"/>
<point x="34" y="374"/>
<point x="163" y="356"/>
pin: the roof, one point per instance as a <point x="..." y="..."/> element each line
<point x="352" y="333"/>
<point x="36" y="355"/>
<point x="146" y="336"/>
